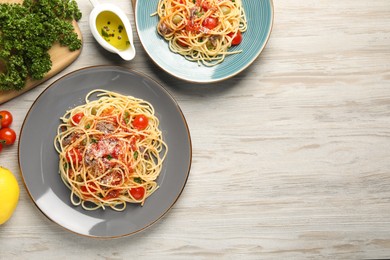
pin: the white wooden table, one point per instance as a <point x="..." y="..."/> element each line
<point x="290" y="157"/>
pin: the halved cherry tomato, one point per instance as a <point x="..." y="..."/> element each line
<point x="5" y="118"/>
<point x="237" y="39"/>
<point x="133" y="143"/>
<point x="182" y="43"/>
<point x="137" y="193"/>
<point x="112" y="194"/>
<point x="210" y="22"/>
<point x="7" y="136"/>
<point x="206" y="6"/>
<point x="77" y="118"/>
<point x="74" y="155"/>
<point x="92" y="188"/>
<point x="140" y="122"/>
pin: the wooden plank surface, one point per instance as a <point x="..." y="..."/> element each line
<point x="290" y="157"/>
<point x="61" y="57"/>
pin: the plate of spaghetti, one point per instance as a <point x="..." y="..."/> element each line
<point x="216" y="38"/>
<point x="110" y="157"/>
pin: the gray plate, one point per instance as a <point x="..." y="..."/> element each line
<point x="38" y="159"/>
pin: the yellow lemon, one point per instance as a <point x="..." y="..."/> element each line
<point x="9" y="194"/>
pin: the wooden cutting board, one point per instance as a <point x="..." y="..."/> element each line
<point x="61" y="57"/>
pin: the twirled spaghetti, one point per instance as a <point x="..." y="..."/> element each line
<point x="202" y="30"/>
<point x="111" y="151"/>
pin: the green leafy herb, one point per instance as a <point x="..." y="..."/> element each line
<point x="79" y="178"/>
<point x="138" y="180"/>
<point x="109" y="157"/>
<point x="27" y="32"/>
<point x="104" y="33"/>
<point x="135" y="155"/>
<point x="127" y="117"/>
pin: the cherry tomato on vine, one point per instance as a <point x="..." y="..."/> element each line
<point x="140" y="122"/>
<point x="237" y="39"/>
<point x="77" y="118"/>
<point x="7" y="136"/>
<point x="137" y="193"/>
<point x="5" y="118"/>
<point x="210" y="22"/>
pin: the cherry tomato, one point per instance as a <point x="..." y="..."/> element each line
<point x="77" y="118"/>
<point x="137" y="193"/>
<point x="140" y="122"/>
<point x="182" y="43"/>
<point x="206" y="6"/>
<point x="7" y="136"/>
<point x="92" y="188"/>
<point x="112" y="194"/>
<point x="5" y="118"/>
<point x="210" y="22"/>
<point x="74" y="155"/>
<point x="237" y="39"/>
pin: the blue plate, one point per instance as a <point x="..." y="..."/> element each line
<point x="259" y="14"/>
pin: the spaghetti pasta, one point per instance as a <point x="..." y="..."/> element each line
<point x="202" y="30"/>
<point x="110" y="151"/>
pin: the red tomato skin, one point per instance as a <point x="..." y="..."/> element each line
<point x="74" y="155"/>
<point x="137" y="193"/>
<point x="237" y="39"/>
<point x="205" y="6"/>
<point x="210" y="22"/>
<point x="140" y="122"/>
<point x="76" y="118"/>
<point x="182" y="43"/>
<point x="5" y="118"/>
<point x="92" y="187"/>
<point x="7" y="136"/>
<point x="112" y="194"/>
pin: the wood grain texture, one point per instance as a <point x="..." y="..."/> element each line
<point x="290" y="157"/>
<point x="60" y="56"/>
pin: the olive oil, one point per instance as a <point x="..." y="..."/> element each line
<point x="111" y="28"/>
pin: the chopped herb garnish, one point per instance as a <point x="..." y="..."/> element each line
<point x="120" y="27"/>
<point x="135" y="155"/>
<point x="127" y="117"/>
<point x="104" y="33"/>
<point x="109" y="157"/>
<point x="79" y="178"/>
<point x="138" y="180"/>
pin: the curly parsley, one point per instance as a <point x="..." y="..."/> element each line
<point x="27" y="32"/>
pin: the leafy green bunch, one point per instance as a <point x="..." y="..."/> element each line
<point x="27" y="32"/>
